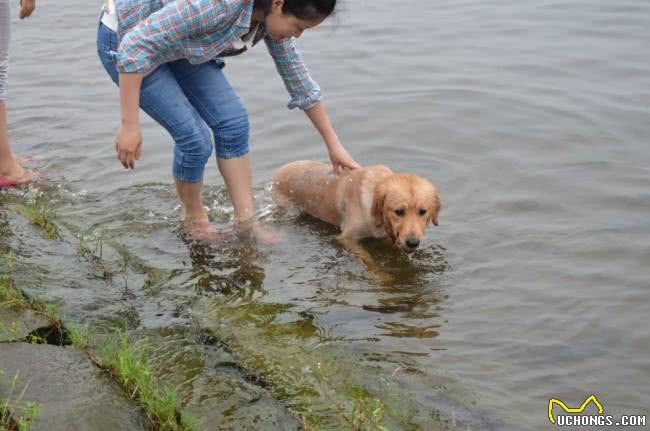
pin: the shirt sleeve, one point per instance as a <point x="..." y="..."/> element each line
<point x="159" y="38"/>
<point x="304" y="92"/>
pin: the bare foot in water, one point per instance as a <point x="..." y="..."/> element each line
<point x="12" y="174"/>
<point x="260" y="231"/>
<point x="203" y="230"/>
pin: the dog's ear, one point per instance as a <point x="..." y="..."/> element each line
<point x="434" y="207"/>
<point x="378" y="199"/>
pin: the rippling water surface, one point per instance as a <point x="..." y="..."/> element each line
<point x="531" y="117"/>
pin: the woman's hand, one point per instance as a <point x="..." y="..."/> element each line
<point x="340" y="157"/>
<point x="26" y="8"/>
<point x="128" y="145"/>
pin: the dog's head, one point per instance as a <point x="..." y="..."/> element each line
<point x="404" y="204"/>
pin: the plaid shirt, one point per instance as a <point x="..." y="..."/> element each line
<point x="153" y="32"/>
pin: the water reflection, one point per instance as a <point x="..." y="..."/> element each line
<point x="231" y="267"/>
<point x="397" y="329"/>
<point x="415" y="298"/>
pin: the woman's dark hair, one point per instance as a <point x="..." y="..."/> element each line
<point x="303" y="9"/>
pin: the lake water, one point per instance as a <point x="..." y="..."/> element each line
<point x="532" y="118"/>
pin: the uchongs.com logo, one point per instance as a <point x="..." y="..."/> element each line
<point x="579" y="417"/>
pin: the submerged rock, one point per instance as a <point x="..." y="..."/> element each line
<point x="223" y="400"/>
<point x="214" y="390"/>
<point x="71" y="392"/>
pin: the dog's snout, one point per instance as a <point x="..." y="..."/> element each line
<point x="412" y="242"/>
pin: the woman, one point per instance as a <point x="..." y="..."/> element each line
<point x="165" y="55"/>
<point x="11" y="173"/>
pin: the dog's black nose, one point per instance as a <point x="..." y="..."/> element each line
<point x="413" y="242"/>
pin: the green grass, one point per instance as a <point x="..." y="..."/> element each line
<point x="101" y="267"/>
<point x="13" y="298"/>
<point x="23" y="414"/>
<point x="41" y="217"/>
<point x="127" y="361"/>
<point x="367" y="413"/>
<point x="79" y="336"/>
<point x="9" y="296"/>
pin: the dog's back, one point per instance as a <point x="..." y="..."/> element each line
<point x="311" y="185"/>
<point x="336" y="199"/>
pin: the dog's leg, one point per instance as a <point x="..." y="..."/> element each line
<point x="374" y="270"/>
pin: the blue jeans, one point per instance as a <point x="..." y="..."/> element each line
<point x="193" y="102"/>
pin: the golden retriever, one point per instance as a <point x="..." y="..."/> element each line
<point x="366" y="202"/>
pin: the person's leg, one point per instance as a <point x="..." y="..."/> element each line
<point x="236" y="172"/>
<point x="219" y="105"/>
<point x="163" y="100"/>
<point x="10" y="170"/>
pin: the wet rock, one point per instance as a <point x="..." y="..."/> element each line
<point x="18" y="324"/>
<point x="213" y="388"/>
<point x="224" y="401"/>
<point x="71" y="392"/>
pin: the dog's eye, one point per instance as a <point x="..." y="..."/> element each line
<point x="422" y="211"/>
<point x="399" y="212"/>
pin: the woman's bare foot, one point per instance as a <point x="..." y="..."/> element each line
<point x="260" y="231"/>
<point x="12" y="174"/>
<point x="202" y="230"/>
